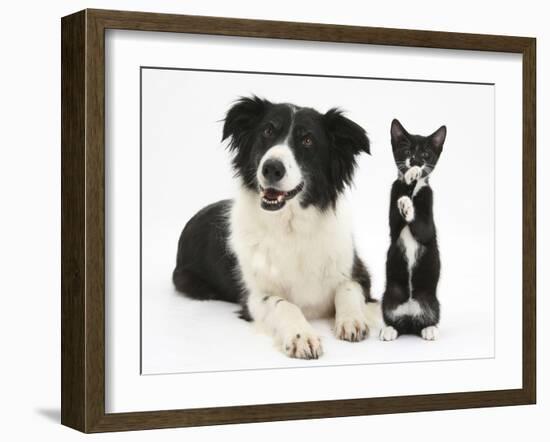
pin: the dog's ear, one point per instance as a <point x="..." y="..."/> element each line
<point x="241" y="118"/>
<point x="345" y="134"/>
<point x="347" y="139"/>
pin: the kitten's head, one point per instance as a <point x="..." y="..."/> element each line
<point x="416" y="150"/>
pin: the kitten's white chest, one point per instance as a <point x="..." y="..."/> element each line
<point x="410" y="246"/>
<point x="411" y="249"/>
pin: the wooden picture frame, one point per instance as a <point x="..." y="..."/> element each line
<point x="83" y="219"/>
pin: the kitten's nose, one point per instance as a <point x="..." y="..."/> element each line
<point x="416" y="162"/>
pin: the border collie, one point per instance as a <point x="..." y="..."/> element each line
<point x="283" y="248"/>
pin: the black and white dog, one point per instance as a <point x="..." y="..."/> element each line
<point x="283" y="248"/>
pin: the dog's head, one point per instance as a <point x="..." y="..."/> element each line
<point x="282" y="151"/>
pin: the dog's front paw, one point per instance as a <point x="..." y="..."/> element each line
<point x="430" y="333"/>
<point x="303" y="345"/>
<point x="351" y="329"/>
<point x="412" y="174"/>
<point x="388" y="333"/>
<point x="406" y="208"/>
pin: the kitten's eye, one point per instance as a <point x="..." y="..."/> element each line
<point x="425" y="155"/>
<point x="307" y="141"/>
<point x="404" y="145"/>
<point x="406" y="152"/>
<point x="268" y="131"/>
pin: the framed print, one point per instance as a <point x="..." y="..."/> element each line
<point x="270" y="220"/>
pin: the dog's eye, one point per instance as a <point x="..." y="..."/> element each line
<point x="307" y="141"/>
<point x="268" y="131"/>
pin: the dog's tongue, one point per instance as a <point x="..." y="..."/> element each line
<point x="273" y="194"/>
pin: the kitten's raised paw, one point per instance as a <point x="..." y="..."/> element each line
<point x="430" y="333"/>
<point x="412" y="174"/>
<point x="388" y="333"/>
<point x="406" y="208"/>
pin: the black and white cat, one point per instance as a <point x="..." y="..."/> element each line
<point x="410" y="304"/>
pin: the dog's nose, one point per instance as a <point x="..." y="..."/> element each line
<point x="273" y="171"/>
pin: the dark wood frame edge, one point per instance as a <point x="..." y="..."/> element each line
<point x="83" y="234"/>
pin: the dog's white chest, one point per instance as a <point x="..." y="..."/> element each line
<point x="295" y="269"/>
<point x="302" y="258"/>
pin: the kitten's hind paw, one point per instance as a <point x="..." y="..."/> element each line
<point x="412" y="174"/>
<point x="430" y="333"/>
<point x="406" y="208"/>
<point x="388" y="333"/>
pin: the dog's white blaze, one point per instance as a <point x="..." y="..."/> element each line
<point x="301" y="255"/>
<point x="283" y="153"/>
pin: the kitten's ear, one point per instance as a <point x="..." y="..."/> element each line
<point x="242" y="117"/>
<point x="345" y="134"/>
<point x="397" y="131"/>
<point x="438" y="138"/>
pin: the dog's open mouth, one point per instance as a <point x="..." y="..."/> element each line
<point x="274" y="199"/>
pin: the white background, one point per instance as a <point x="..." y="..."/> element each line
<point x="185" y="168"/>
<point x="30" y="234"/>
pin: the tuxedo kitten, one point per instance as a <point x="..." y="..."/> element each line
<point x="409" y="304"/>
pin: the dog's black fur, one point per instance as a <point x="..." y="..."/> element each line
<point x="206" y="268"/>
